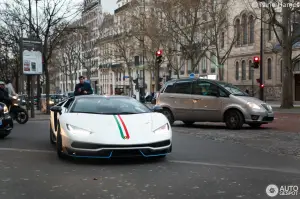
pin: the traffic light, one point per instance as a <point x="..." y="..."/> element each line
<point x="262" y="86"/>
<point x="159" y="56"/>
<point x="256" y="62"/>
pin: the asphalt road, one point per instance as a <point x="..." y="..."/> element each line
<point x="197" y="168"/>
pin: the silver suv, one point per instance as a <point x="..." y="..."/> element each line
<point x="203" y="100"/>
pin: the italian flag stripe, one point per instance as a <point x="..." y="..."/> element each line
<point x="124" y="126"/>
<point x="119" y="126"/>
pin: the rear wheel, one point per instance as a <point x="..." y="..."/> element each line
<point x="234" y="119"/>
<point x="169" y="115"/>
<point x="59" y="146"/>
<point x="255" y="126"/>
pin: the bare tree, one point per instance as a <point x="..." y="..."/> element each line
<point x="218" y="25"/>
<point x="86" y="56"/>
<point x="184" y="23"/>
<point x="287" y="31"/>
<point x="53" y="15"/>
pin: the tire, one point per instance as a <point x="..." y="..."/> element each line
<point x="52" y="136"/>
<point x="59" y="147"/>
<point x="2" y="136"/>
<point x="188" y="123"/>
<point x="169" y="115"/>
<point x="23" y="120"/>
<point x="255" y="126"/>
<point x="234" y="119"/>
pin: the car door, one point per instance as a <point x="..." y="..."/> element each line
<point x="181" y="100"/>
<point x="207" y="107"/>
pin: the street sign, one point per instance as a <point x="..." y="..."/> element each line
<point x="192" y="75"/>
<point x="32" y="62"/>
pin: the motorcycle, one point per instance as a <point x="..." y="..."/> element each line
<point x="17" y="112"/>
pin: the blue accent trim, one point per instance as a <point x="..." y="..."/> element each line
<point x="162" y="154"/>
<point x="92" y="157"/>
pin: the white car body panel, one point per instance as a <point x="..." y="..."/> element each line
<point x="104" y="128"/>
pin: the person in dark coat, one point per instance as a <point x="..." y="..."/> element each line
<point x="4" y="95"/>
<point x="83" y="88"/>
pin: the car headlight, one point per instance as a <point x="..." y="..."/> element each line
<point x="14" y="97"/>
<point x="5" y="109"/>
<point x="77" y="131"/>
<point x="51" y="102"/>
<point x="163" y="129"/>
<point x="269" y="107"/>
<point x="253" y="105"/>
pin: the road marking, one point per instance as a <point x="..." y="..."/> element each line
<point x="281" y="170"/>
<point x="26" y="150"/>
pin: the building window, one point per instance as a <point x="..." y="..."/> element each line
<point x="243" y="70"/>
<point x="245" y="29"/>
<point x="213" y="63"/>
<point x="237" y="71"/>
<point x="250" y="70"/>
<point x="269" y="68"/>
<point x="281" y="70"/>
<point x="222" y="39"/>
<point x="238" y="32"/>
<point x="251" y="29"/>
<point x="203" y="65"/>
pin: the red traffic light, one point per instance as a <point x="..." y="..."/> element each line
<point x="262" y="86"/>
<point x="159" y="53"/>
<point x="256" y="59"/>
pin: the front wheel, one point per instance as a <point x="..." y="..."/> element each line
<point x="59" y="145"/>
<point x="22" y="117"/>
<point x="234" y="120"/>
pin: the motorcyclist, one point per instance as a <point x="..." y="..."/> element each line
<point x="10" y="88"/>
<point x="83" y="88"/>
<point x="4" y="95"/>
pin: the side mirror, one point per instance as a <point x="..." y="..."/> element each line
<point x="157" y="109"/>
<point x="56" y="109"/>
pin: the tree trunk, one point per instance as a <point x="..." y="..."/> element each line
<point x="130" y="81"/>
<point x="150" y="82"/>
<point x="287" y="84"/>
<point x="47" y="88"/>
<point x="72" y="80"/>
<point x="66" y="82"/>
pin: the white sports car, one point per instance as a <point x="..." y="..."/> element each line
<point x="95" y="126"/>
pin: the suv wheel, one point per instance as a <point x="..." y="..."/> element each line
<point x="169" y="115"/>
<point x="234" y="120"/>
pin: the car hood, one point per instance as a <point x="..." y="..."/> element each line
<point x="111" y="129"/>
<point x="250" y="99"/>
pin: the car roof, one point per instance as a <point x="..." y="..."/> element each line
<point x="191" y="79"/>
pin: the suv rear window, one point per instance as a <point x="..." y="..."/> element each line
<point x="168" y="88"/>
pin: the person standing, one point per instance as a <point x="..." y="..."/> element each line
<point x="83" y="88"/>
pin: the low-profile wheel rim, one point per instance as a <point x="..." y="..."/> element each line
<point x="59" y="144"/>
<point x="233" y="119"/>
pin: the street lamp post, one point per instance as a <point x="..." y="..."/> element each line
<point x="261" y="69"/>
<point x="38" y="80"/>
<point x="144" y="81"/>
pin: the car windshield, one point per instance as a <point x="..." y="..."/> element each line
<point x="233" y="89"/>
<point x="108" y="106"/>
